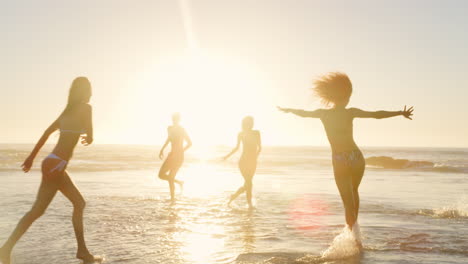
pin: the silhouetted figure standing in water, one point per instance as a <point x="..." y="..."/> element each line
<point x="74" y="123"/>
<point x="348" y="162"/>
<point x="251" y="147"/>
<point x="176" y="136"/>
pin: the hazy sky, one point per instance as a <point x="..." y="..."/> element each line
<point x="246" y="58"/>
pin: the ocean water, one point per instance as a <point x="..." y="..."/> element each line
<point x="414" y="208"/>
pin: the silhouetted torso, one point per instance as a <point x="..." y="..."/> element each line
<point x="250" y="140"/>
<point x="176" y="137"/>
<point x="71" y="123"/>
<point x="338" y="125"/>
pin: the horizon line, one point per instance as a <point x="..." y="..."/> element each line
<point x="265" y="145"/>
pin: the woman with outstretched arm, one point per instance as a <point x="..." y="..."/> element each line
<point x="334" y="89"/>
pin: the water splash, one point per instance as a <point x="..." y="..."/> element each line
<point x="386" y="162"/>
<point x="456" y="210"/>
<point x="344" y="245"/>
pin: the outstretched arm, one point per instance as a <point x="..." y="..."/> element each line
<point x="407" y="113"/>
<point x="188" y="140"/>
<point x="302" y="113"/>
<point x="27" y="164"/>
<point x="235" y="149"/>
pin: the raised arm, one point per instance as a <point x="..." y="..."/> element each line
<point x="188" y="140"/>
<point x="358" y="113"/>
<point x="161" y="153"/>
<point x="302" y="113"/>
<point x="235" y="149"/>
<point x="27" y="164"/>
<point x="89" y="138"/>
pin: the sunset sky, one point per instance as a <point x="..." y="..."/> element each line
<point x="216" y="61"/>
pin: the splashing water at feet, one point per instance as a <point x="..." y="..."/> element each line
<point x="344" y="245"/>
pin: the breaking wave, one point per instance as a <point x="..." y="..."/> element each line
<point x="386" y="162"/>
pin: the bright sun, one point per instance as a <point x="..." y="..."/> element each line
<point x="212" y="94"/>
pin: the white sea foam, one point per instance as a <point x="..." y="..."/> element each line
<point x="345" y="244"/>
<point x="459" y="209"/>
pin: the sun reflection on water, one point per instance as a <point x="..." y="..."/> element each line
<point x="204" y="179"/>
<point x="201" y="245"/>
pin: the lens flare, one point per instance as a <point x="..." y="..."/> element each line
<point x="306" y="213"/>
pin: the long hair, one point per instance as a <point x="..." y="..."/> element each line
<point x="333" y="88"/>
<point x="80" y="90"/>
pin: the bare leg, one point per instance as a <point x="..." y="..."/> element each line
<point x="46" y="193"/>
<point x="236" y="194"/>
<point x="172" y="180"/>
<point x="358" y="173"/>
<point x="247" y="169"/>
<point x="171" y="189"/>
<point x="70" y="191"/>
<point x="181" y="183"/>
<point x="356" y="202"/>
<point x="167" y="177"/>
<point x="164" y="170"/>
<point x="168" y="173"/>
<point x="242" y="188"/>
<point x="248" y="192"/>
<point x="346" y="189"/>
<point x="164" y="174"/>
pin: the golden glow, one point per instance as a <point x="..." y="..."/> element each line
<point x="212" y="94"/>
<point x="200" y="245"/>
<point x="205" y="179"/>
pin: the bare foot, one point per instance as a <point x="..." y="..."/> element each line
<point x="87" y="258"/>
<point x="231" y="199"/>
<point x="181" y="185"/>
<point x="4" y="256"/>
<point x="356" y="231"/>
